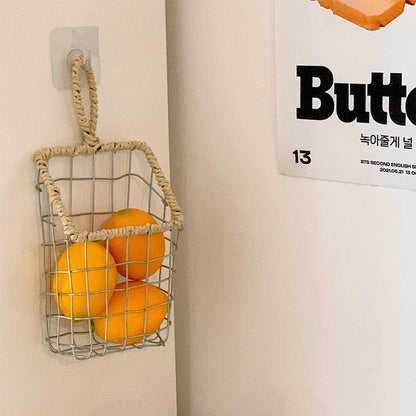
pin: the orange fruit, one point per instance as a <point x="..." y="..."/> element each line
<point x="95" y="259"/>
<point x="138" y="244"/>
<point x="157" y="308"/>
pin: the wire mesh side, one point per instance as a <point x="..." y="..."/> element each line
<point x="93" y="187"/>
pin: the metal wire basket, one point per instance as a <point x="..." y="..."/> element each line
<point x="93" y="302"/>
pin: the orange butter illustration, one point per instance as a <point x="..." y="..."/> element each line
<point x="369" y="14"/>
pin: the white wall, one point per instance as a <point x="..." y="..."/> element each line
<point x="294" y="297"/>
<point x="33" y="114"/>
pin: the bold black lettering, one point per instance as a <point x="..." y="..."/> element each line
<point x="308" y="92"/>
<point x="376" y="92"/>
<point x="397" y="91"/>
<point x="394" y="91"/>
<point x="358" y="112"/>
<point x="411" y="108"/>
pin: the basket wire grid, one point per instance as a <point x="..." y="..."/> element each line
<point x="79" y="188"/>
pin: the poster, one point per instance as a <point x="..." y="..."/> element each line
<point x="346" y="90"/>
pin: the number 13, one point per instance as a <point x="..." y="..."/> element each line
<point x="302" y="156"/>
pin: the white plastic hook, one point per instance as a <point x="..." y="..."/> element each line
<point x="68" y="43"/>
<point x="75" y="53"/>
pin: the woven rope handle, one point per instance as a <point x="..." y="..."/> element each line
<point x="92" y="145"/>
<point x="88" y="126"/>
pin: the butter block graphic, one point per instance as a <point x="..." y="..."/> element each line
<point x="369" y="14"/>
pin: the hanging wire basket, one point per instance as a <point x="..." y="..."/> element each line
<point x="110" y="225"/>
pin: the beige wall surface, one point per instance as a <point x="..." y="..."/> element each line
<point x="33" y="114"/>
<point x="294" y="297"/>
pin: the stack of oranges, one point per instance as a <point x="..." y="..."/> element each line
<point x="91" y="268"/>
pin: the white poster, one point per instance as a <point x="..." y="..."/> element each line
<point x="346" y="90"/>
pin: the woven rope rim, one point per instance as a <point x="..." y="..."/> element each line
<point x="92" y="144"/>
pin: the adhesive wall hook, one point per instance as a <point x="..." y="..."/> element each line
<point x="68" y="43"/>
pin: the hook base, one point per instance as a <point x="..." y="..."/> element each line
<point x="68" y="42"/>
